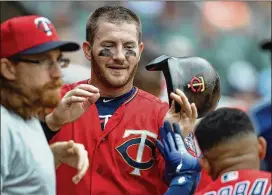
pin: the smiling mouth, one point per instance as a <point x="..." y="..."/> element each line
<point x="117" y="67"/>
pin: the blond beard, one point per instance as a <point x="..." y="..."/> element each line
<point x="28" y="103"/>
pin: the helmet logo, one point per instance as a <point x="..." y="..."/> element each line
<point x="197" y="84"/>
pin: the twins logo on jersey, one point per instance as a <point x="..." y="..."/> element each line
<point x="104" y="119"/>
<point x="142" y="142"/>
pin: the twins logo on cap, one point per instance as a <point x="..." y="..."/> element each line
<point x="43" y="23"/>
<point x="29" y="35"/>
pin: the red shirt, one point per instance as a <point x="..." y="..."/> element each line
<point x="243" y="182"/>
<point x="205" y="180"/>
<point x="123" y="157"/>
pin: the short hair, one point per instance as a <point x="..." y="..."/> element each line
<point x="112" y="14"/>
<point x="222" y="125"/>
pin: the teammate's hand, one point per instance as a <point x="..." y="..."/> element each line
<point x="73" y="155"/>
<point x="72" y="106"/>
<point x="186" y="117"/>
<point x="177" y="158"/>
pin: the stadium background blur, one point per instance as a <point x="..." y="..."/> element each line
<point x="227" y="34"/>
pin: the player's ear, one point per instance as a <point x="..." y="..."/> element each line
<point x="204" y="163"/>
<point x="8" y="69"/>
<point x="262" y="147"/>
<point x="86" y="46"/>
<point x="141" y="48"/>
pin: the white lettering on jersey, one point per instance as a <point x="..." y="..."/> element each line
<point x="225" y="190"/>
<point x="241" y="188"/>
<point x="106" y="118"/>
<point x="259" y="186"/>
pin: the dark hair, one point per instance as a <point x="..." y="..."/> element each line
<point x="222" y="125"/>
<point x="112" y="14"/>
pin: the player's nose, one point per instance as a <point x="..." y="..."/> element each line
<point x="56" y="72"/>
<point x="119" y="55"/>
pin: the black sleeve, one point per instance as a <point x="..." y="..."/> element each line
<point x="48" y="133"/>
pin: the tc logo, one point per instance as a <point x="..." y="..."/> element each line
<point x="142" y="142"/>
<point x="43" y="24"/>
<point x="197" y="84"/>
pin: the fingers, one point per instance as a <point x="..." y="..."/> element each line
<point x="171" y="141"/>
<point x="177" y="128"/>
<point x="163" y="134"/>
<point x="194" y="111"/>
<point x="82" y="171"/>
<point x="88" y="101"/>
<point x="178" y="136"/>
<point x="88" y="87"/>
<point x="160" y="147"/>
<point x="172" y="108"/>
<point x="184" y="102"/>
<point x="73" y="99"/>
<point x="82" y="93"/>
<point x="70" y="144"/>
<point x="94" y="98"/>
<point x="169" y="136"/>
<point x="81" y="153"/>
<point x="82" y="162"/>
<point x="166" y="146"/>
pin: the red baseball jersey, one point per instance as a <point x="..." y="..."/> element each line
<point x="243" y="182"/>
<point x="123" y="157"/>
<point x="205" y="179"/>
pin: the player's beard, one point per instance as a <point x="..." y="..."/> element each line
<point x="100" y="72"/>
<point x="28" y="102"/>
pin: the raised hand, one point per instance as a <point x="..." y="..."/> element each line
<point x="72" y="106"/>
<point x="186" y="117"/>
<point x="178" y="160"/>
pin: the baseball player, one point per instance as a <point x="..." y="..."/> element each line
<point x="117" y="122"/>
<point x="261" y="115"/>
<point x="231" y="155"/>
<point x="31" y="62"/>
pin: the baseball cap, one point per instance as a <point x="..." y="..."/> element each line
<point x="34" y="34"/>
<point x="266" y="45"/>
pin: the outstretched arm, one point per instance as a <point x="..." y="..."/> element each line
<point x="182" y="169"/>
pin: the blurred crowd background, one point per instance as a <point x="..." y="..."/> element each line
<point x="227" y="34"/>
